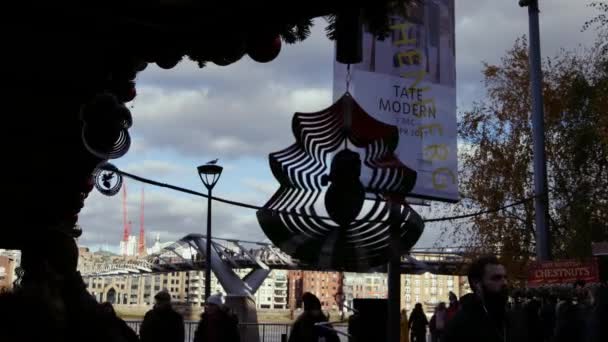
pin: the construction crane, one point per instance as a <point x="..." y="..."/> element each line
<point x="125" y="221"/>
<point x="141" y="246"/>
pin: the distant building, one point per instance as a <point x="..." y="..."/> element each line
<point x="9" y="261"/>
<point x="273" y="292"/>
<point x="158" y="246"/>
<point x="139" y="289"/>
<point x="184" y="286"/>
<point x="296" y="289"/>
<point x="364" y="285"/>
<point x="427" y="288"/>
<point x="130" y="248"/>
<point x="324" y="285"/>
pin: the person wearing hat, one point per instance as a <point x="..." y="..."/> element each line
<point x="217" y="324"/>
<point x="162" y="323"/>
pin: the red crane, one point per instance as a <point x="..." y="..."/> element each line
<point x="141" y="246"/>
<point x="125" y="221"/>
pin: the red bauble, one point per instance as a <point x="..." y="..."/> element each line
<point x="264" y="49"/>
<point x="125" y="91"/>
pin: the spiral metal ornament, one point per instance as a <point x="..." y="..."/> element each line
<point x="356" y="237"/>
<point x="107" y="180"/>
<point x="105" y="124"/>
<point x="103" y="145"/>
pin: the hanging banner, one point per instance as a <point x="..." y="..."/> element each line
<point x="409" y="81"/>
<point x="562" y="272"/>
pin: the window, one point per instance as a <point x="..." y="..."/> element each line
<point x="417" y="290"/>
<point x="417" y="282"/>
<point x="408" y="290"/>
<point x="408" y="298"/>
<point x="417" y="298"/>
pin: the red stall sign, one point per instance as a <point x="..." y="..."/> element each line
<point x="562" y="272"/>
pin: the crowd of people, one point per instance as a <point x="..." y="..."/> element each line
<point x="164" y="324"/>
<point x="491" y="313"/>
<point x="62" y="310"/>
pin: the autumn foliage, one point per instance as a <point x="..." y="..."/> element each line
<point x="496" y="163"/>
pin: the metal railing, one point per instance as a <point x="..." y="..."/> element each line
<point x="268" y="332"/>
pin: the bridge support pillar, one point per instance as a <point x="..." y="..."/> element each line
<point x="244" y="308"/>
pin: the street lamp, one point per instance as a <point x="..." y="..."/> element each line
<point x="209" y="173"/>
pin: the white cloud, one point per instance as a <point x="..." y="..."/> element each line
<point x="202" y="122"/>
<point x="153" y="168"/>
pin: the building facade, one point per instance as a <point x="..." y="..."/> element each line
<point x="9" y="261"/>
<point x="272" y="294"/>
<point x="134" y="289"/>
<point x="364" y="285"/>
<point x="324" y="285"/>
<point x="183" y="286"/>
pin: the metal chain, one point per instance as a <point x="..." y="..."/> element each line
<point x="348" y="78"/>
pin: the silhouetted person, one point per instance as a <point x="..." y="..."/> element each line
<point x="573" y="314"/>
<point x="162" y="323"/>
<point x="418" y="323"/>
<point x="482" y="317"/>
<point x="532" y="325"/>
<point x="597" y="328"/>
<point x="438" y="322"/>
<point x="304" y="328"/>
<point x="454" y="306"/>
<point x="547" y="317"/>
<point x="217" y="324"/>
<point x="125" y="330"/>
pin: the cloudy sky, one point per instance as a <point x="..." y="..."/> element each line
<point x="186" y="116"/>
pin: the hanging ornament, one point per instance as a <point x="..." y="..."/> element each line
<point x="230" y="51"/>
<point x="105" y="123"/>
<point x="125" y="91"/>
<point x="168" y="61"/>
<point x="354" y="237"/>
<point x="265" y="48"/>
<point x="107" y="180"/>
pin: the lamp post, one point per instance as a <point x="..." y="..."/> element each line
<point x="209" y="173"/>
<point x="541" y="211"/>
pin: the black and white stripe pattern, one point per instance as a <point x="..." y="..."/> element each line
<point x="290" y="219"/>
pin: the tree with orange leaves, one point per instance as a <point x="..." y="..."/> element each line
<point x="496" y="166"/>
